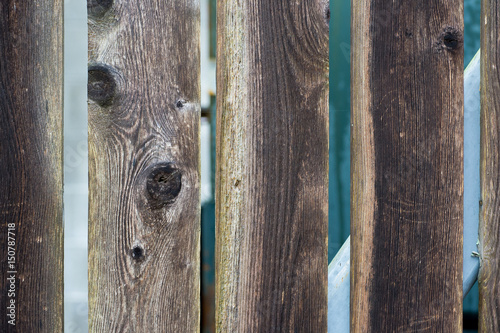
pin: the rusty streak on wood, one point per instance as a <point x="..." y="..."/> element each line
<point x="144" y="166"/>
<point x="31" y="181"/>
<point x="407" y="166"/>
<point x="489" y="216"/>
<point x="272" y="171"/>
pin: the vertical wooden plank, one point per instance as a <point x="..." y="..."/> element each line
<point x="272" y="171"/>
<point x="489" y="210"/>
<point x="144" y="166"/>
<point x="407" y="166"/>
<point x="31" y="181"/>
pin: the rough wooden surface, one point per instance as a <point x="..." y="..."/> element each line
<point x="272" y="171"/>
<point x="489" y="216"/>
<point x="407" y="166"/>
<point x="31" y="185"/>
<point x="144" y="166"/>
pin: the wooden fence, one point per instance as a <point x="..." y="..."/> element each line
<point x="489" y="213"/>
<point x="31" y="156"/>
<point x="407" y="176"/>
<point x="407" y="167"/>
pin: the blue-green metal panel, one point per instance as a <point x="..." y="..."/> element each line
<point x="339" y="176"/>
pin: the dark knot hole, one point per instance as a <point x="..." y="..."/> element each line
<point x="450" y="40"/>
<point x="163" y="185"/>
<point x="137" y="253"/>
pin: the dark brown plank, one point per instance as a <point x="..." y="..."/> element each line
<point x="31" y="181"/>
<point x="272" y="166"/>
<point x="407" y="166"/>
<point x="489" y="211"/>
<point x="144" y="166"/>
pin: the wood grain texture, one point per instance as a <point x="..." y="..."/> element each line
<point x="144" y="166"/>
<point x="272" y="166"/>
<point x="31" y="185"/>
<point x="489" y="210"/>
<point x="406" y="166"/>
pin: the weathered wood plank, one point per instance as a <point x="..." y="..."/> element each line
<point x="272" y="166"/>
<point x="489" y="216"/>
<point x="144" y="166"/>
<point x="31" y="185"/>
<point x="407" y="166"/>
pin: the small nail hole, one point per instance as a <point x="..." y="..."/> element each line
<point x="137" y="253"/>
<point x="180" y="103"/>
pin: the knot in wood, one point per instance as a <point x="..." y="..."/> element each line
<point x="180" y="103"/>
<point x="137" y="253"/>
<point x="163" y="185"/>
<point x="98" y="8"/>
<point x="101" y="86"/>
<point x="450" y="39"/>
